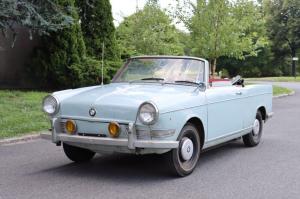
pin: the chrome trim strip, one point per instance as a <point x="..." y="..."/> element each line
<point x="156" y="144"/>
<point x="228" y="137"/>
<point x="147" y="133"/>
<point x="93" y="140"/>
<point x="162" y="133"/>
<point x="167" y="56"/>
<point x="90" y="119"/>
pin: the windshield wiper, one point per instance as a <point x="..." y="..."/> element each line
<point x="186" y="81"/>
<point x="153" y="78"/>
<point x="147" y="78"/>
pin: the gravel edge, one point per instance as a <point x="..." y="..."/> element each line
<point x="24" y="138"/>
<point x="284" y="95"/>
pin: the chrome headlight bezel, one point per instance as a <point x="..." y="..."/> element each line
<point x="56" y="104"/>
<point x="155" y="113"/>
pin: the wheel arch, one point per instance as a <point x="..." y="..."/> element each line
<point x="263" y="112"/>
<point x="199" y="125"/>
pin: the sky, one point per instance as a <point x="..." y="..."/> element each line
<point x="123" y="8"/>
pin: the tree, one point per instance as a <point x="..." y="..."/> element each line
<point x="58" y="62"/>
<point x="148" y="31"/>
<point x="222" y="28"/>
<point x="35" y="15"/>
<point x="283" y="22"/>
<point x="97" y="27"/>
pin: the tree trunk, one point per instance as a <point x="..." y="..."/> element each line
<point x="293" y="62"/>
<point x="213" y="67"/>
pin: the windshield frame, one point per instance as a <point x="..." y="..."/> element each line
<point x="124" y="67"/>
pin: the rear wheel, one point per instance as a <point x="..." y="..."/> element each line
<point x="183" y="160"/>
<point x="78" y="154"/>
<point x="253" y="138"/>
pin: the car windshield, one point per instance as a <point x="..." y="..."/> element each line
<point x="167" y="70"/>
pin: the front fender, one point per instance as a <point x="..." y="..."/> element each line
<point x="177" y="119"/>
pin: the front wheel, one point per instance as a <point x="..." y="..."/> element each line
<point x="77" y="154"/>
<point x="253" y="138"/>
<point x="183" y="160"/>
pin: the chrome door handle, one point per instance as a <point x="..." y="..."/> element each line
<point x="238" y="93"/>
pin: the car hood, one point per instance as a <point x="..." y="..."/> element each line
<point x="120" y="101"/>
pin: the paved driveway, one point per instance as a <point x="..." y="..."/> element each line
<point x="38" y="169"/>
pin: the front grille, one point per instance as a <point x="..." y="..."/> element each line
<point x="142" y="134"/>
<point x="62" y="127"/>
<point x="92" y="135"/>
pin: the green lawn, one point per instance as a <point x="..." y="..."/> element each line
<point x="278" y="90"/>
<point x="21" y="113"/>
<point x="275" y="79"/>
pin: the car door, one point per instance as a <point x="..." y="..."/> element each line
<point x="224" y="108"/>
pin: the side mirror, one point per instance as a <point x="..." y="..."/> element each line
<point x="237" y="80"/>
<point x="202" y="86"/>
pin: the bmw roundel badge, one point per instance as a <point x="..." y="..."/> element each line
<point x="92" y="112"/>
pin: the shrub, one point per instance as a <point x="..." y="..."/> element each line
<point x="57" y="62"/>
<point x="224" y="73"/>
<point x="250" y="72"/>
<point x="92" y="73"/>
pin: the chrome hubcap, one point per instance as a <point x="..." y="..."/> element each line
<point x="187" y="149"/>
<point x="256" y="127"/>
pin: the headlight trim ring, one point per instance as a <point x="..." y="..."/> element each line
<point x="155" y="116"/>
<point x="57" y="106"/>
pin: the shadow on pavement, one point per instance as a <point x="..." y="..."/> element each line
<point x="133" y="168"/>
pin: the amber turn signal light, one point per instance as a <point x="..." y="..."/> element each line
<point x="70" y="126"/>
<point x="114" y="129"/>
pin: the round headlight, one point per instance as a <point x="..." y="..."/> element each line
<point x="50" y="105"/>
<point x="148" y="113"/>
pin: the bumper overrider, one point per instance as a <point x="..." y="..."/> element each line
<point x="131" y="142"/>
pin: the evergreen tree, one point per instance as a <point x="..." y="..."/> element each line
<point x="37" y="16"/>
<point x="97" y="27"/>
<point x="58" y="62"/>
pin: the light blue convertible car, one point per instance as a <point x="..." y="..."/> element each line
<point x="158" y="104"/>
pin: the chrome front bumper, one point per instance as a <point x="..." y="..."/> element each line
<point x="132" y="142"/>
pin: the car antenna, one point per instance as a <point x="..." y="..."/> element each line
<point x="102" y="63"/>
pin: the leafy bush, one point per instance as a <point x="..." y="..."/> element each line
<point x="150" y="32"/>
<point x="224" y="73"/>
<point x="271" y="72"/>
<point x="90" y="72"/>
<point x="250" y="72"/>
<point x="55" y="64"/>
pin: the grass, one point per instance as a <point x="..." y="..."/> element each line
<point x="275" y="79"/>
<point x="278" y="90"/>
<point x="21" y="113"/>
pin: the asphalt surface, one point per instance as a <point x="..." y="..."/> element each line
<point x="39" y="169"/>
